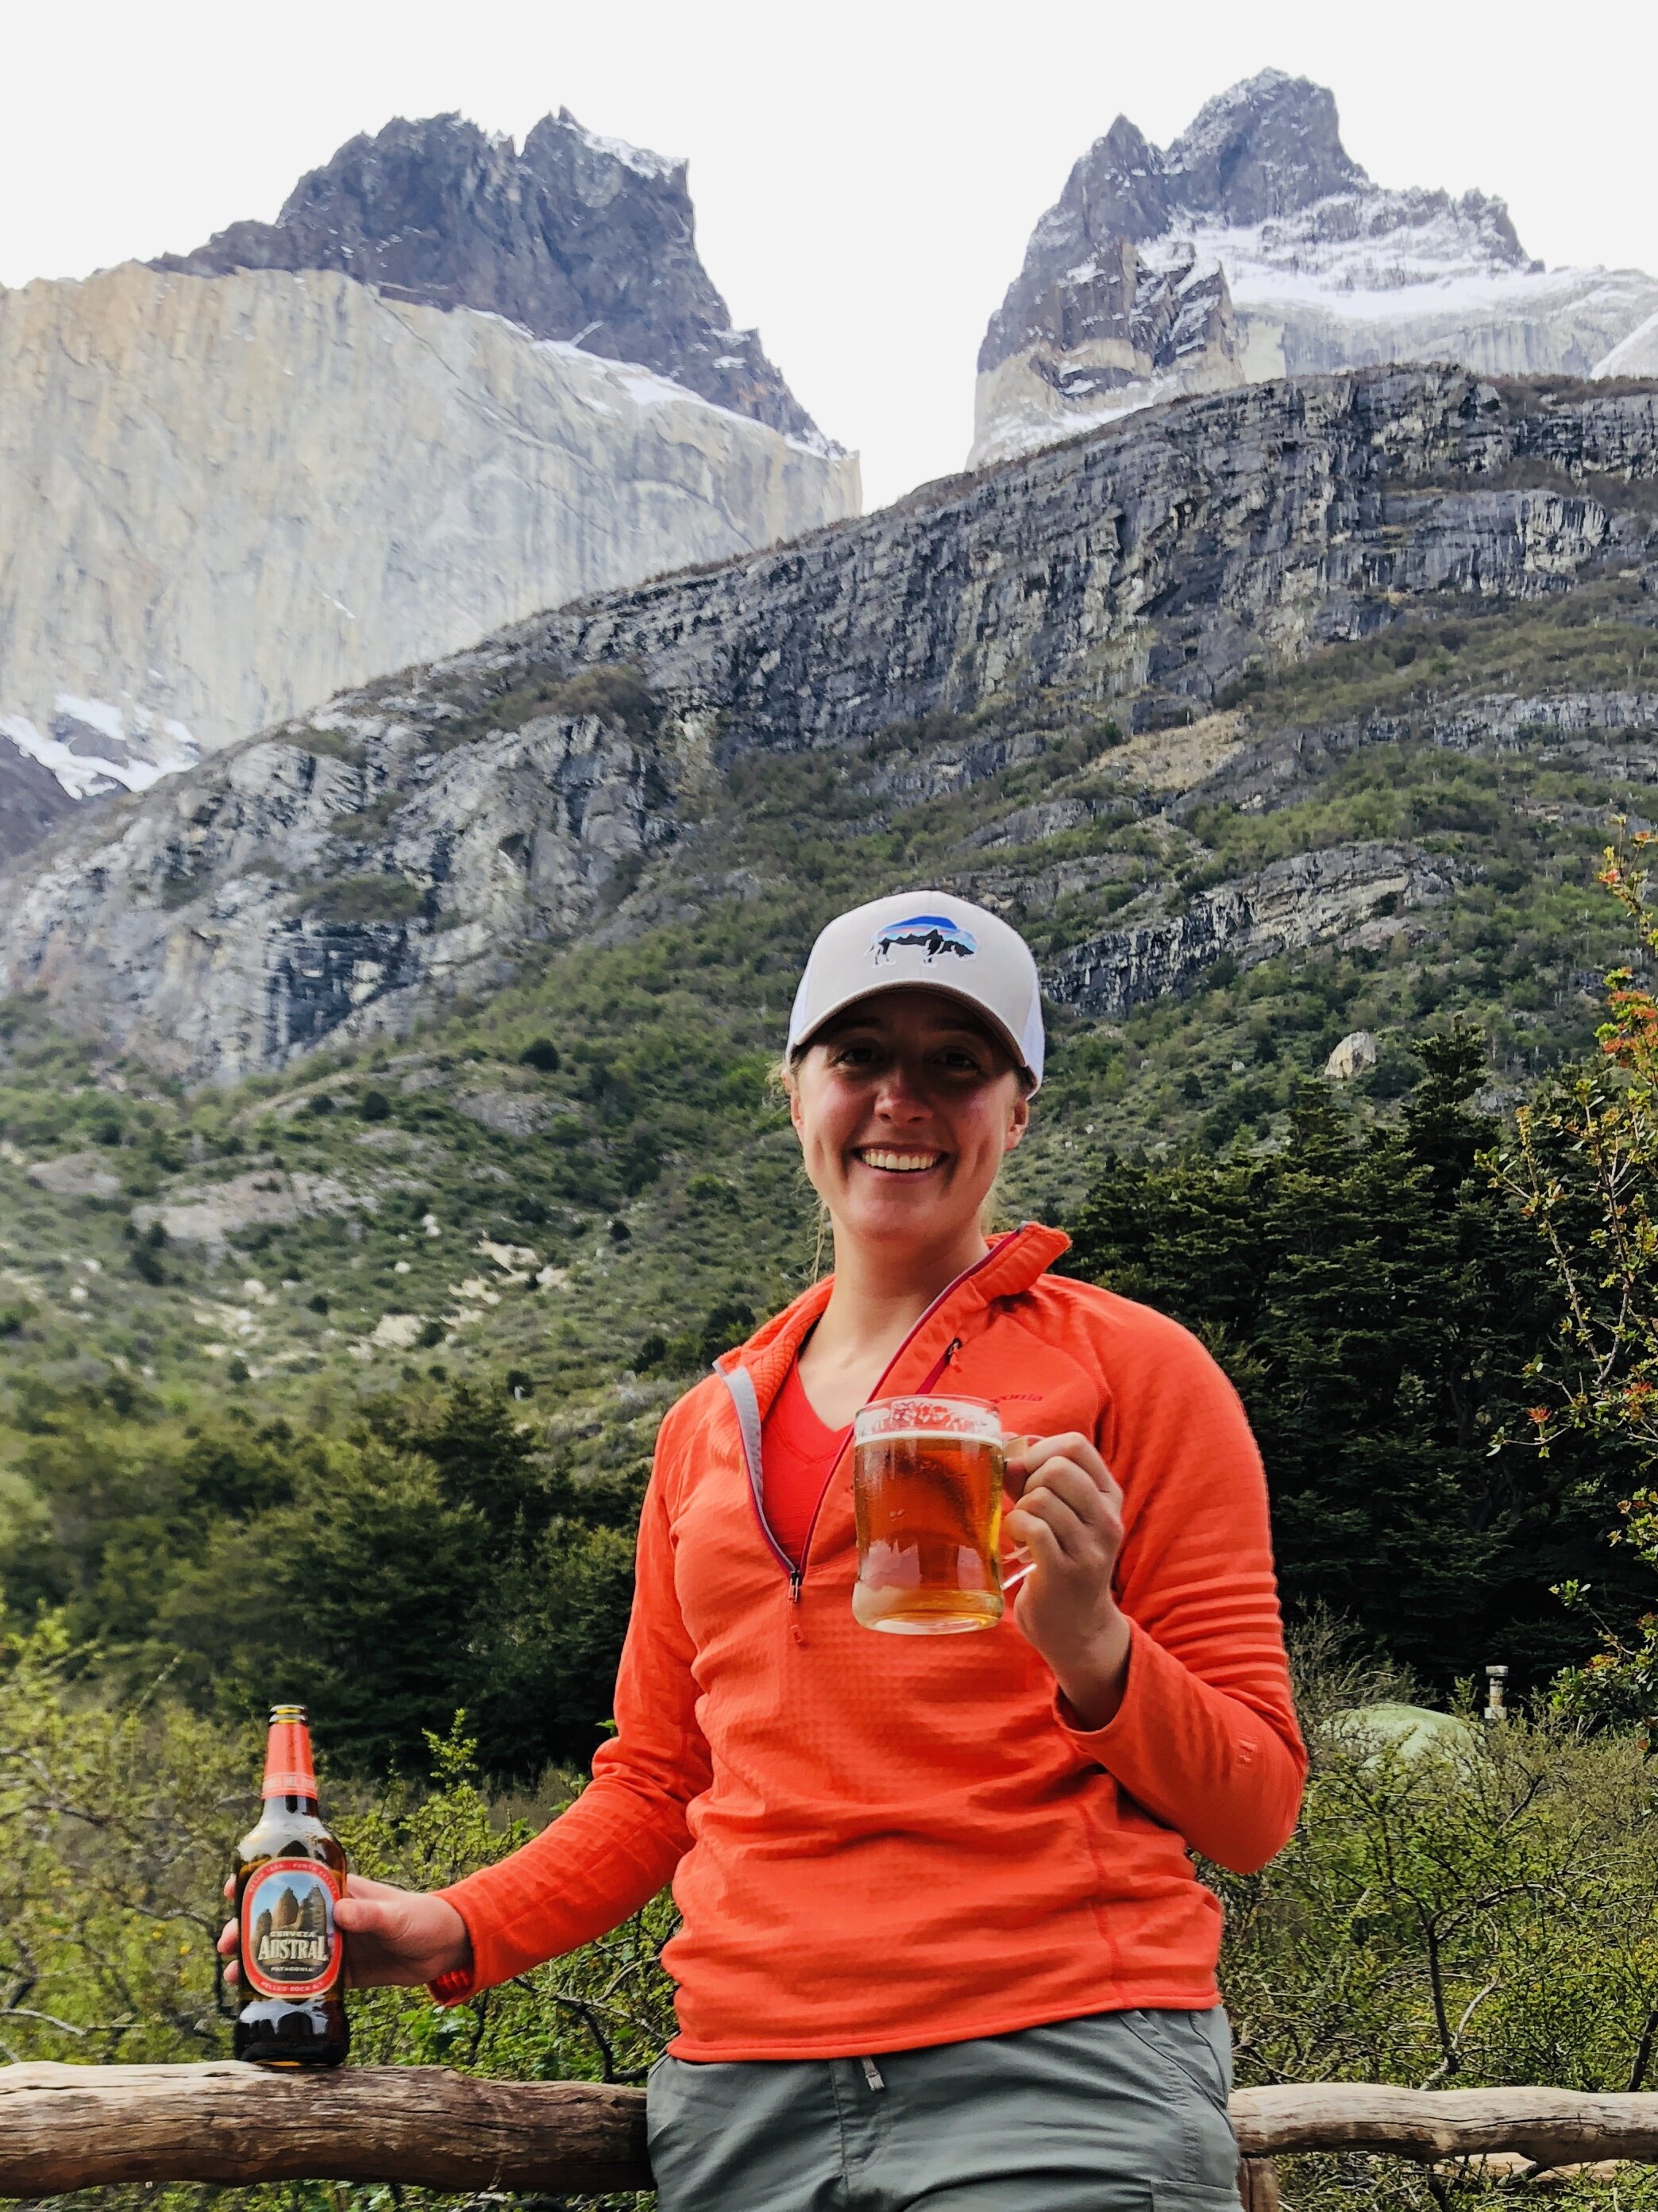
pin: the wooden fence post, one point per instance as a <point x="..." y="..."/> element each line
<point x="1258" y="2185"/>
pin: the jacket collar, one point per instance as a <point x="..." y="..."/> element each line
<point x="1013" y="1263"/>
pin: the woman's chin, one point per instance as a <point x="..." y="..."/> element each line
<point x="919" y="1209"/>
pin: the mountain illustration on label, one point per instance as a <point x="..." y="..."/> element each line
<point x="930" y="935"/>
<point x="290" y="1944"/>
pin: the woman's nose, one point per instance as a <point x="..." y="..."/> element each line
<point x="899" y="1094"/>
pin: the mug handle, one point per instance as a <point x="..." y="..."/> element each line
<point x="1017" y="1563"/>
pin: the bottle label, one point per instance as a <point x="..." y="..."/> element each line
<point x="288" y="1771"/>
<point x="291" y="1945"/>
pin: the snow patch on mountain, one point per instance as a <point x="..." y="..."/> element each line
<point x="93" y="747"/>
<point x="664" y="167"/>
<point x="1634" y="355"/>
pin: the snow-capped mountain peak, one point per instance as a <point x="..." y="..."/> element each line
<point x="1318" y="269"/>
<point x="661" y="168"/>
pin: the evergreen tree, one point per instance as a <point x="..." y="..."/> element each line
<point x="1376" y="1302"/>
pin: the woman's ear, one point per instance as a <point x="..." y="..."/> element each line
<point x="1017" y="1122"/>
<point x="792" y="1091"/>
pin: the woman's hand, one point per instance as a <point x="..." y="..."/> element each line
<point x="1069" y="1518"/>
<point x="401" y="1936"/>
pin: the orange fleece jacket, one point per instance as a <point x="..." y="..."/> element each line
<point x="880" y="1842"/>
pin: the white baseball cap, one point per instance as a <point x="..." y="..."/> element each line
<point x="930" y="938"/>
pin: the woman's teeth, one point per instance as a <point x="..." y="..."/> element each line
<point x="900" y="1163"/>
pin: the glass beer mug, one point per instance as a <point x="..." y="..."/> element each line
<point x="926" y="1481"/>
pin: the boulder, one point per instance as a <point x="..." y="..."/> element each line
<point x="1356" y="1052"/>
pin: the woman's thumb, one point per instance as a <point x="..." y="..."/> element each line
<point x="366" y="1916"/>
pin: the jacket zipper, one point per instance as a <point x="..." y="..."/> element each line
<point x="798" y="1573"/>
<point x="796" y="1569"/>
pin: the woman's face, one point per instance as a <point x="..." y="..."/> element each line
<point x="905" y="1107"/>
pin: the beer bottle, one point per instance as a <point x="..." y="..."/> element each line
<point x="291" y="1873"/>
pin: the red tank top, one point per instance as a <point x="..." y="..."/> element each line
<point x="798" y="1455"/>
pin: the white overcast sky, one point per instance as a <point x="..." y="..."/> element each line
<point x="865" y="172"/>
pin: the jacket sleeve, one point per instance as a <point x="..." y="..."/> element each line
<point x="618" y="1845"/>
<point x="1205" y="1737"/>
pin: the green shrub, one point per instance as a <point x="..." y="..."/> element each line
<point x="351" y="899"/>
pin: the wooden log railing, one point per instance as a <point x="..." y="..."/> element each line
<point x="1550" y="2128"/>
<point x="78" y="2127"/>
<point x="75" y="2127"/>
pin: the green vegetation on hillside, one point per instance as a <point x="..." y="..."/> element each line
<point x="1597" y="637"/>
<point x="427" y="1554"/>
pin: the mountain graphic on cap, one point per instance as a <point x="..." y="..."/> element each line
<point x="930" y="933"/>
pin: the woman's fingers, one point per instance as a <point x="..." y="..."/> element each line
<point x="1028" y="1457"/>
<point x="1079" y="1490"/>
<point x="1085" y="1538"/>
<point x="1062" y="1487"/>
<point x="1038" y="1539"/>
<point x="361" y="1884"/>
<point x="400" y="1936"/>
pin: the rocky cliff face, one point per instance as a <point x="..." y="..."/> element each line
<point x="1301" y="263"/>
<point x="31" y="802"/>
<point x="451" y="384"/>
<point x="334" y="877"/>
<point x="579" y="237"/>
<point x="1109" y="333"/>
<point x="228" y="496"/>
<point x="1307" y="899"/>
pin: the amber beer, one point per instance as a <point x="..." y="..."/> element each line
<point x="927" y="1476"/>
<point x="290" y="1874"/>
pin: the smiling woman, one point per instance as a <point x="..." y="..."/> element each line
<point x="905" y="1109"/>
<point x="942" y="1941"/>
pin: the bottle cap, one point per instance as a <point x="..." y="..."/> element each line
<point x="288" y="1770"/>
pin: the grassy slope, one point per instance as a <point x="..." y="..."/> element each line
<point x="659" y="1118"/>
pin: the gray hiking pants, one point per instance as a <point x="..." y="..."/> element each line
<point x="1121" y="2111"/>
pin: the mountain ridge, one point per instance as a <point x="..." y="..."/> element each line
<point x="339" y="874"/>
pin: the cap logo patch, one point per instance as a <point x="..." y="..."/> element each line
<point x="930" y="935"/>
